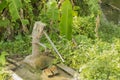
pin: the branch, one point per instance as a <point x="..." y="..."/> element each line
<point x="53" y="46"/>
<point x="114" y="7"/>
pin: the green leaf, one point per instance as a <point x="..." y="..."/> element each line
<point x="3" y="4"/>
<point x="4" y="23"/>
<point x="66" y="19"/>
<point x="25" y="21"/>
<point x="2" y="58"/>
<point x="14" y="7"/>
<point x="27" y="1"/>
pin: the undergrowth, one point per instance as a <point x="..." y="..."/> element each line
<point x="108" y="31"/>
<point x="21" y="45"/>
<point x="94" y="59"/>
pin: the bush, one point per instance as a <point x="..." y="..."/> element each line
<point x="108" y="31"/>
<point x="21" y="45"/>
<point x="84" y="26"/>
<point x="104" y="67"/>
<point x="94" y="59"/>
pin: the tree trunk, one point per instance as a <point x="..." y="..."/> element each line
<point x="36" y="35"/>
<point x="37" y="60"/>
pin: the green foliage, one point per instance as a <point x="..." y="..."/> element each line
<point x="52" y="11"/>
<point x="66" y="19"/>
<point x="2" y="58"/>
<point x="94" y="8"/>
<point x="108" y="31"/>
<point x="84" y="26"/>
<point x="50" y="14"/>
<point x="87" y="7"/>
<point x="3" y="4"/>
<point x="14" y="7"/>
<point x="4" y="23"/>
<point x="103" y="67"/>
<point x="16" y="15"/>
<point x="25" y="21"/>
<point x="21" y="45"/>
<point x="95" y="59"/>
<point x="28" y="14"/>
<point x="3" y="73"/>
<point x="85" y="23"/>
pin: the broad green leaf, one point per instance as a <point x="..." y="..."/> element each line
<point x="4" y="23"/>
<point x="25" y="21"/>
<point x="66" y="19"/>
<point x="14" y="6"/>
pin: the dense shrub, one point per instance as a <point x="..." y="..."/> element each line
<point x="108" y="31"/>
<point x="105" y="65"/>
<point x="84" y="26"/>
<point x="21" y="45"/>
<point x="94" y="59"/>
